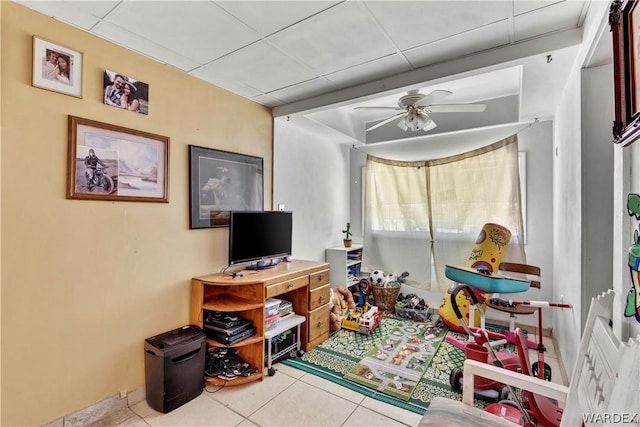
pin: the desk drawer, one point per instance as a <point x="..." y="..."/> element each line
<point x="318" y="297"/>
<point x="319" y="323"/>
<point x="318" y="279"/>
<point x="282" y="287"/>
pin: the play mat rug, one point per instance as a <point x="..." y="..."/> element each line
<point x="396" y="363"/>
<point x="335" y="357"/>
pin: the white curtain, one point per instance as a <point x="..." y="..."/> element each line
<point x="415" y="208"/>
<point x="396" y="219"/>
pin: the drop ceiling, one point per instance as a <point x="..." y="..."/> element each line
<point x="314" y="61"/>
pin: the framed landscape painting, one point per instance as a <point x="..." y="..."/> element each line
<point x="220" y="182"/>
<point x="109" y="162"/>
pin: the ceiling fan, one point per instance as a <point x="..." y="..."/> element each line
<point x="414" y="107"/>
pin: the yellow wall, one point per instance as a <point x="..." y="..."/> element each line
<point x="85" y="282"/>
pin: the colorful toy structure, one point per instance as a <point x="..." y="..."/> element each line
<point x="485" y="258"/>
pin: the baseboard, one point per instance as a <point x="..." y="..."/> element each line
<point x="113" y="404"/>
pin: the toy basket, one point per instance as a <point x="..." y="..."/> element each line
<point x="385" y="298"/>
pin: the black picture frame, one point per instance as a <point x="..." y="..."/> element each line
<point x="624" y="20"/>
<point x="222" y="181"/>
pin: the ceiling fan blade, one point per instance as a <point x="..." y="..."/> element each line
<point x="432" y="97"/>
<point x="384" y="122"/>
<point x="378" y="108"/>
<point x="457" y="108"/>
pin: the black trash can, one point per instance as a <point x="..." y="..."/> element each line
<point x="174" y="367"/>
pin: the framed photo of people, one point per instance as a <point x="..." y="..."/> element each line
<point x="624" y="18"/>
<point x="220" y="182"/>
<point x="56" y="67"/>
<point x="109" y="162"/>
<point x="125" y="92"/>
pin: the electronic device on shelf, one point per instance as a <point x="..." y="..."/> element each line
<point x="259" y="238"/>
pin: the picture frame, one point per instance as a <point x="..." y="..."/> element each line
<point x="57" y="68"/>
<point x="133" y="165"/>
<point x="125" y="92"/>
<point x="222" y="181"/>
<point x="624" y="20"/>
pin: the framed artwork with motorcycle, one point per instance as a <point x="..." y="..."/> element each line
<point x="109" y="162"/>
<point x="221" y="182"/>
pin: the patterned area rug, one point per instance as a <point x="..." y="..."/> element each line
<point x="395" y="365"/>
<point x="334" y="358"/>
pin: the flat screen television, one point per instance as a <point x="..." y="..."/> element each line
<point x="259" y="238"/>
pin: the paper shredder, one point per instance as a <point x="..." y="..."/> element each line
<point x="174" y="367"/>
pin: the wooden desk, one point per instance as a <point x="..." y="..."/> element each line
<point x="304" y="283"/>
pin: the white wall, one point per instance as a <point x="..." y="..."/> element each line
<point x="567" y="219"/>
<point x="597" y="183"/>
<point x="311" y="178"/>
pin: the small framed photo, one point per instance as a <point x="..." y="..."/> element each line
<point x="624" y="18"/>
<point x="56" y="68"/>
<point x="125" y="92"/>
<point x="220" y="182"/>
<point x="108" y="162"/>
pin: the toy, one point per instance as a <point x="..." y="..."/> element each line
<point x="490" y="246"/>
<point x="370" y="320"/>
<point x="340" y="300"/>
<point x="364" y="292"/>
<point x="378" y="278"/>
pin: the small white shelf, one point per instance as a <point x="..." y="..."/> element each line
<point x="339" y="261"/>
<point x="284" y="324"/>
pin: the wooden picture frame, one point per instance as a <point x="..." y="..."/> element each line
<point x="624" y="19"/>
<point x="222" y="181"/>
<point x="133" y="165"/>
<point x="57" y="68"/>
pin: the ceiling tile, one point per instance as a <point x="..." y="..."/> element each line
<point x="138" y="44"/>
<point x="341" y="37"/>
<point x="232" y="85"/>
<point x="303" y="90"/>
<point x="369" y="71"/>
<point x="483" y="38"/>
<point x="524" y="6"/>
<point x="556" y="17"/>
<point x="63" y="11"/>
<point x="197" y="29"/>
<point x="99" y="8"/>
<point x="420" y="22"/>
<point x="276" y="70"/>
<point x="281" y="13"/>
<point x="267" y="100"/>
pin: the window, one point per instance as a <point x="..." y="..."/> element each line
<point x="416" y="209"/>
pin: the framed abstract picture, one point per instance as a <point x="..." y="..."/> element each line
<point x="220" y="182"/>
<point x="109" y="162"/>
<point x="57" y="68"/>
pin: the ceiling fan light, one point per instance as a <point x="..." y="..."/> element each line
<point x="402" y="124"/>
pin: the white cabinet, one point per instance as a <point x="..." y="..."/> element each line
<point x="345" y="265"/>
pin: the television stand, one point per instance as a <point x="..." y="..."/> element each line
<point x="263" y="265"/>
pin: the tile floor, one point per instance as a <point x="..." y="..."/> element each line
<point x="289" y="398"/>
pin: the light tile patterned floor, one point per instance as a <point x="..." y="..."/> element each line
<point x="289" y="398"/>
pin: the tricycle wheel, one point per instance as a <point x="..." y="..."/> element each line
<point x="547" y="370"/>
<point x="505" y="393"/>
<point x="455" y="378"/>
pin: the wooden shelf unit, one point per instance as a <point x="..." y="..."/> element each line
<point x="304" y="283"/>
